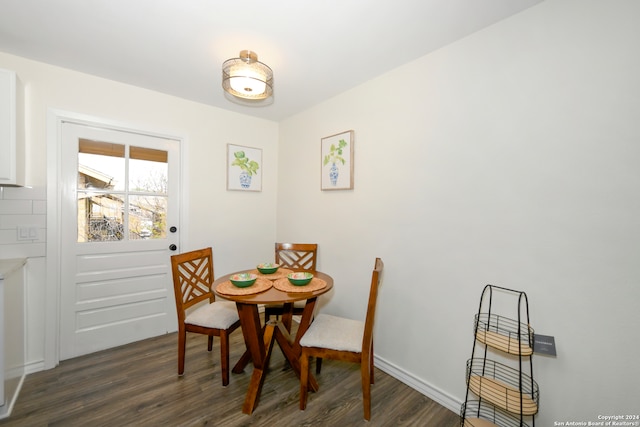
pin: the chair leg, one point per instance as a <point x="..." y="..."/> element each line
<point x="224" y="357"/>
<point x="304" y="379"/>
<point x="210" y="343"/>
<point x="182" y="344"/>
<point x="318" y="365"/>
<point x="365" y="371"/>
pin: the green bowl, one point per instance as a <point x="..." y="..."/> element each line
<point x="268" y="268"/>
<point x="300" y="278"/>
<point x="243" y="280"/>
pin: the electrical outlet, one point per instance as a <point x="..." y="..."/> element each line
<point x="27" y="233"/>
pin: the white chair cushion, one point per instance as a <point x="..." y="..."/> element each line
<point x="219" y="315"/>
<point x="336" y="333"/>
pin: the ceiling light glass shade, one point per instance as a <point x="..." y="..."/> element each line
<point x="247" y="78"/>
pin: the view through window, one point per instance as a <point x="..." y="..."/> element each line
<point x="122" y="192"/>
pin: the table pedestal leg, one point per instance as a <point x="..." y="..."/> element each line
<point x="287" y="315"/>
<point x="291" y="354"/>
<point x="242" y="363"/>
<point x="259" y="342"/>
<point x="259" y="347"/>
<point x="257" y="377"/>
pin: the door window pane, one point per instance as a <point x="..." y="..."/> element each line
<point x="148" y="170"/>
<point x="147" y="217"/>
<point x="100" y="217"/>
<point x="101" y="165"/>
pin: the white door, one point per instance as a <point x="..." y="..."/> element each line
<point x="119" y="218"/>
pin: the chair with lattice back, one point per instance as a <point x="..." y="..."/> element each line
<point x="197" y="309"/>
<point x="297" y="257"/>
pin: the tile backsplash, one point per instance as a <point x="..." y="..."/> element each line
<point x="23" y="209"/>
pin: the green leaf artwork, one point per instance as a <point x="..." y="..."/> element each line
<point x="244" y="163"/>
<point x="335" y="153"/>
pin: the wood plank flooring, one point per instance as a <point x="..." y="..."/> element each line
<point x="138" y="385"/>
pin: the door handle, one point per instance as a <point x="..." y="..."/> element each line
<point x="173" y="247"/>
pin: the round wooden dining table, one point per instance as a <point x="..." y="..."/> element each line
<point x="259" y="339"/>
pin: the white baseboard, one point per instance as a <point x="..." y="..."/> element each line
<point x="419" y="385"/>
<point x="32" y="367"/>
<point x="12" y="390"/>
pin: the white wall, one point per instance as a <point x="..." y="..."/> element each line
<point x="511" y="158"/>
<point x="213" y="216"/>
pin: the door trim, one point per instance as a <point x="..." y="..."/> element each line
<point x="55" y="119"/>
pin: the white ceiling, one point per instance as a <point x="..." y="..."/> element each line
<point x="316" y="48"/>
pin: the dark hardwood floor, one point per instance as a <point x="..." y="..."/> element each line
<point x="138" y="385"/>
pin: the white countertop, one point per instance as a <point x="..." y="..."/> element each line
<point x="8" y="266"/>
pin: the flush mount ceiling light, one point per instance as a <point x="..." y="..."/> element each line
<point x="247" y="78"/>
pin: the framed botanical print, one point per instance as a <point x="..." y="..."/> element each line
<point x="336" y="153"/>
<point x="244" y="168"/>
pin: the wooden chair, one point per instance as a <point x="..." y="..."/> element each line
<point x="298" y="257"/>
<point x="343" y="339"/>
<point x="192" y="279"/>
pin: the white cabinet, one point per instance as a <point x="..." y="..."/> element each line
<point x="12" y="153"/>
<point x="12" y="332"/>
